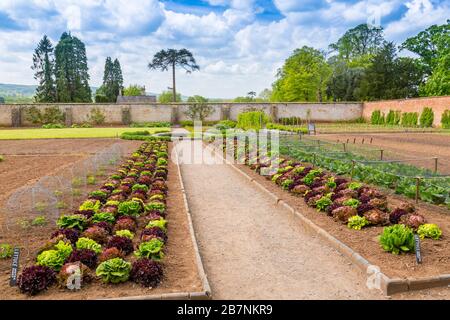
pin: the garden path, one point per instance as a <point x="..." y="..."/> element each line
<point x="253" y="249"/>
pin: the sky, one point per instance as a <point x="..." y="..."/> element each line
<point x="238" y="44"/>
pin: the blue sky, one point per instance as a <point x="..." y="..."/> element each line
<point x="239" y="44"/>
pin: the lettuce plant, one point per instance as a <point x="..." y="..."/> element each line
<point x="155" y="232"/>
<point x="55" y="259"/>
<point x="77" y="221"/>
<point x="111" y="253"/>
<point x="130" y="208"/>
<point x="146" y="272"/>
<point x="397" y="239"/>
<point x="70" y="234"/>
<point x="85" y="256"/>
<point x="90" y="205"/>
<point x="103" y="217"/>
<point x="429" y="230"/>
<point x="6" y="251"/>
<point x="140" y="187"/>
<point x="357" y="222"/>
<point x="286" y="184"/>
<point x="125" y="223"/>
<point x="86" y="243"/>
<point x="323" y="203"/>
<point x="114" y="270"/>
<point x="125" y="233"/>
<point x="122" y="243"/>
<point x="36" y="279"/>
<point x="354" y="185"/>
<point x="151" y="249"/>
<point x="155" y="206"/>
<point x="354" y="203"/>
<point x="160" y="223"/>
<point x="96" y="233"/>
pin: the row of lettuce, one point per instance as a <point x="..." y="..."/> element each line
<point x="100" y="241"/>
<point x="348" y="202"/>
<point x="400" y="177"/>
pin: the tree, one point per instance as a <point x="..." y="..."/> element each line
<point x="429" y="45"/>
<point x="167" y="97"/>
<point x="71" y="70"/>
<point x="303" y="77"/>
<point x="112" y="80"/>
<point x="359" y="43"/>
<point x="2" y="100"/>
<point x="43" y="65"/>
<point x="390" y="77"/>
<point x="198" y="108"/>
<point x="134" y="90"/>
<point x="173" y="58"/>
<point x="265" y="95"/>
<point x="344" y="82"/>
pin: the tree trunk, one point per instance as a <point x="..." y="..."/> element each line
<point x="174" y="90"/>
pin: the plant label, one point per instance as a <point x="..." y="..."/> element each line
<point x="14" y="267"/>
<point x="417" y="246"/>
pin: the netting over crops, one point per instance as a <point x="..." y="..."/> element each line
<point x="405" y="176"/>
<point x="49" y="197"/>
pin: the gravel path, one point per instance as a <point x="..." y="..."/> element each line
<point x="253" y="249"/>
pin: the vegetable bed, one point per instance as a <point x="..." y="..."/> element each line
<point x="379" y="226"/>
<point x="115" y="244"/>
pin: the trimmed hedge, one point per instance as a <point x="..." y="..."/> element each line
<point x="445" y="121"/>
<point x="377" y="117"/>
<point x="252" y="120"/>
<point x="427" y="118"/>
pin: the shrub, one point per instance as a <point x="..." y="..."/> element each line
<point x="114" y="270"/>
<point x="146" y="272"/>
<point x="50" y="115"/>
<point x="427" y="118"/>
<point x="429" y="230"/>
<point x="377" y="117"/>
<point x="357" y="222"/>
<point x="55" y="258"/>
<point x="85" y="256"/>
<point x="393" y="118"/>
<point x="124" y="244"/>
<point x="101" y="98"/>
<point x="6" y="251"/>
<point x="97" y="116"/>
<point x="53" y="126"/>
<point x="445" y="120"/>
<point x="397" y="239"/>
<point x="36" y="279"/>
<point x="252" y="120"/>
<point x="77" y="221"/>
<point x="410" y="119"/>
<point x="151" y="249"/>
<point x="86" y="243"/>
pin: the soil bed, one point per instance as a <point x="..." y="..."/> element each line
<point x="436" y="254"/>
<point x="180" y="270"/>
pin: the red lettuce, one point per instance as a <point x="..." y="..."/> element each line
<point x="36" y="279"/>
<point x="146" y="272"/>
<point x="122" y="243"/>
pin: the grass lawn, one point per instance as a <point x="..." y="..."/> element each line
<point x="70" y="133"/>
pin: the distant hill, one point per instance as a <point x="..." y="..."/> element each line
<point x="18" y="93"/>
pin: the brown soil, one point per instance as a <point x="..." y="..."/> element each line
<point x="436" y="254"/>
<point x="404" y="146"/>
<point x="180" y="270"/>
<point x="55" y="146"/>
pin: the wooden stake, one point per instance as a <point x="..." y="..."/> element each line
<point x="381" y="154"/>
<point x="435" y="165"/>
<point x="417" y="189"/>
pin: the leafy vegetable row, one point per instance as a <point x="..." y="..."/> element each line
<point x="347" y="202"/>
<point x="397" y="176"/>
<point x="99" y="236"/>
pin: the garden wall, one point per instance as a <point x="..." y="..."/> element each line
<point x="115" y="114"/>
<point x="438" y="104"/>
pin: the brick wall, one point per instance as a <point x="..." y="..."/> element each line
<point x="438" y="104"/>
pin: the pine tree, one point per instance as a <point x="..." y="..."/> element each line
<point x="43" y="65"/>
<point x="118" y="78"/>
<point x="71" y="70"/>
